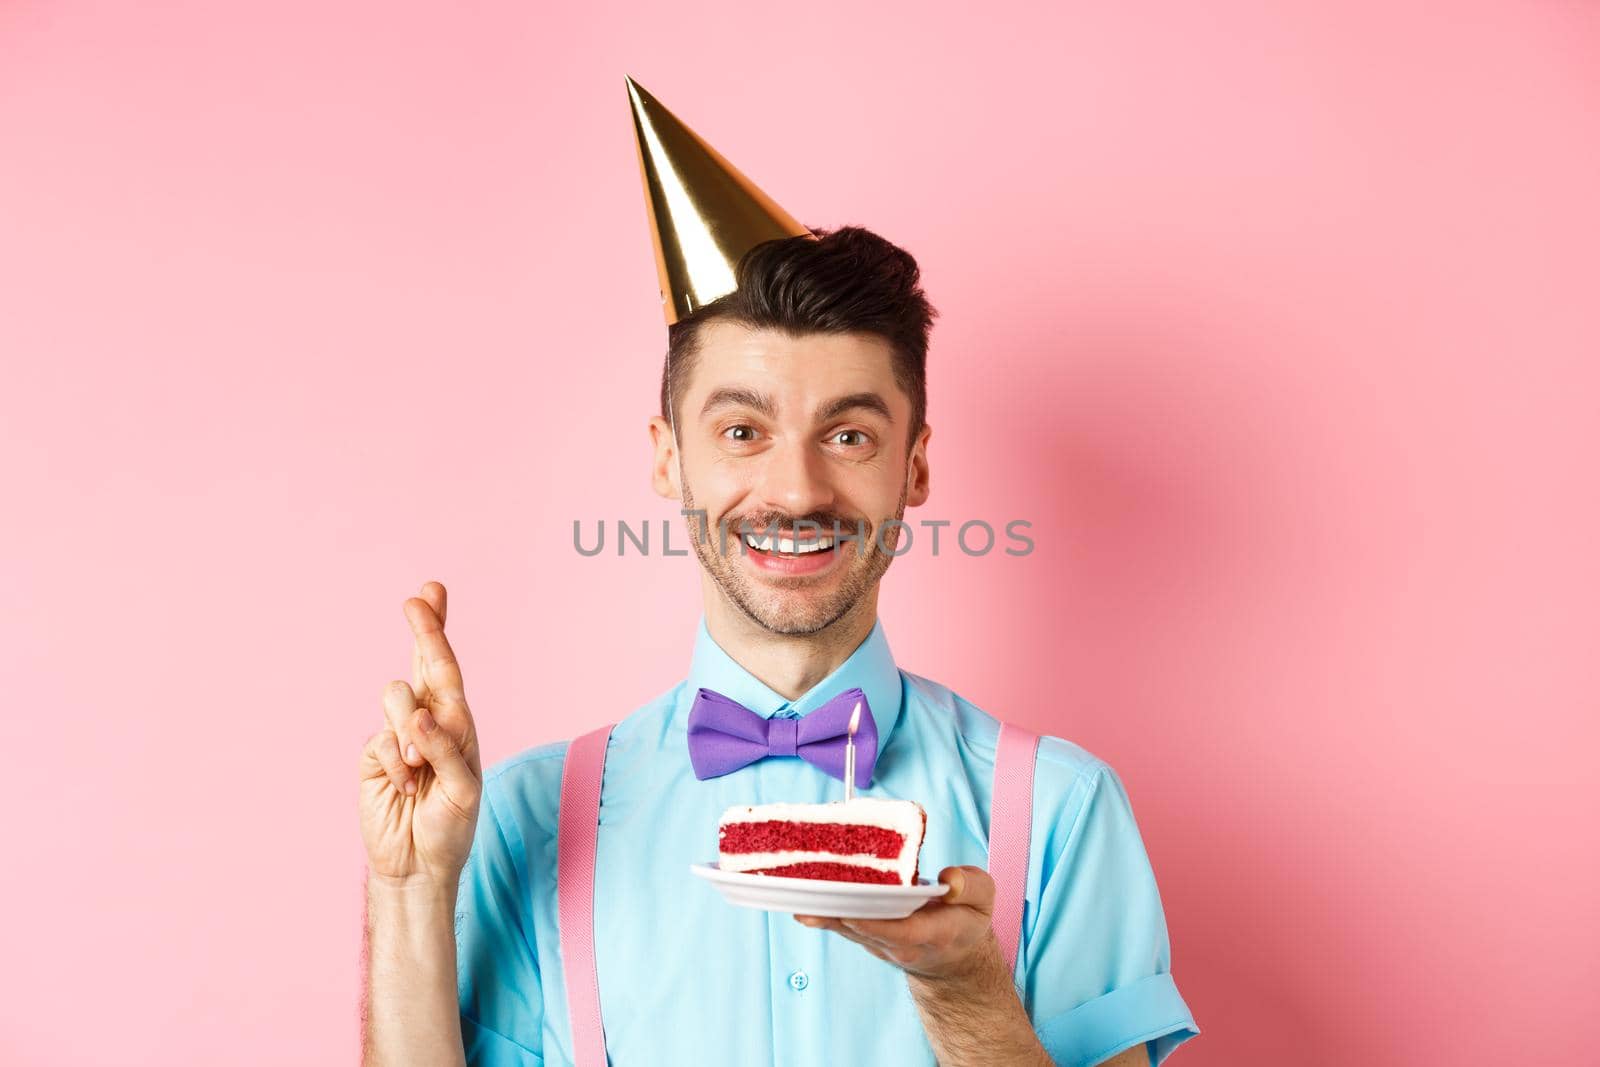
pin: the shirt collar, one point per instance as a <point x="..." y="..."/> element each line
<point x="870" y="668"/>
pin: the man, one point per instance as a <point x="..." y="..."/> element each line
<point x="793" y="401"/>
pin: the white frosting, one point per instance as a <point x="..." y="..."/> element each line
<point x="904" y="817"/>
<point x="755" y="861"/>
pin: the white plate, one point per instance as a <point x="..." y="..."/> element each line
<point x="814" y="896"/>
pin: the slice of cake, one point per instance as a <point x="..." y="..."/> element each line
<point x="867" y="839"/>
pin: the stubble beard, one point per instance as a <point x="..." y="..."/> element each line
<point x="789" y="611"/>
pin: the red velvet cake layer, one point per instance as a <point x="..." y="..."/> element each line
<point x="833" y="872"/>
<point x="842" y="839"/>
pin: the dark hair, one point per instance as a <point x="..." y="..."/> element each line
<point x="849" y="281"/>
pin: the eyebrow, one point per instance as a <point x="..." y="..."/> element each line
<point x="734" y="396"/>
<point x="870" y="401"/>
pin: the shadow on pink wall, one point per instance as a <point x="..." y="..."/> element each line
<point x="1242" y="601"/>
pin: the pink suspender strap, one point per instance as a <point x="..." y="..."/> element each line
<point x="1010" y="824"/>
<point x="577" y="829"/>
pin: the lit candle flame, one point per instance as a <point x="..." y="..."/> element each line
<point x="855" y="719"/>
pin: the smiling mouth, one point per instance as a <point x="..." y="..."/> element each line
<point x="781" y="547"/>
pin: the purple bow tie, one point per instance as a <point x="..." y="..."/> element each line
<point x="724" y="735"/>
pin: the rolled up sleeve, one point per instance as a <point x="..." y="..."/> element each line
<point x="1096" y="962"/>
<point x="497" y="971"/>
<point x="1098" y="1029"/>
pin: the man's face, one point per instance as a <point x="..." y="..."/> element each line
<point x="775" y="432"/>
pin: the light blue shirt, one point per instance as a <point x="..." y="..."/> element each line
<point x="687" y="980"/>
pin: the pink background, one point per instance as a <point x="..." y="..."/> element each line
<point x="1276" y="320"/>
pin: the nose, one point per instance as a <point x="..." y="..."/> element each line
<point x="794" y="480"/>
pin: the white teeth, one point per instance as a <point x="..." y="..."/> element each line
<point x="788" y="544"/>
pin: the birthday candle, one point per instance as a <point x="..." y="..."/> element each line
<point x="850" y="753"/>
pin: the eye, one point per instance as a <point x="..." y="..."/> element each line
<point x="740" y="433"/>
<point x="849" y="438"/>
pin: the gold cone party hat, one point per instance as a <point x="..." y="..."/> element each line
<point x="704" y="214"/>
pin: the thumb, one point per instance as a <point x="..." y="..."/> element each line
<point x="443" y="752"/>
<point x="970" y="887"/>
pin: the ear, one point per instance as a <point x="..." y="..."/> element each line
<point x="917" y="469"/>
<point x="664" y="469"/>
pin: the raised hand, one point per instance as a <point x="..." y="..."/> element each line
<point x="421" y="775"/>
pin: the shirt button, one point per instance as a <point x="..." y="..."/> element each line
<point x="798" y="980"/>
